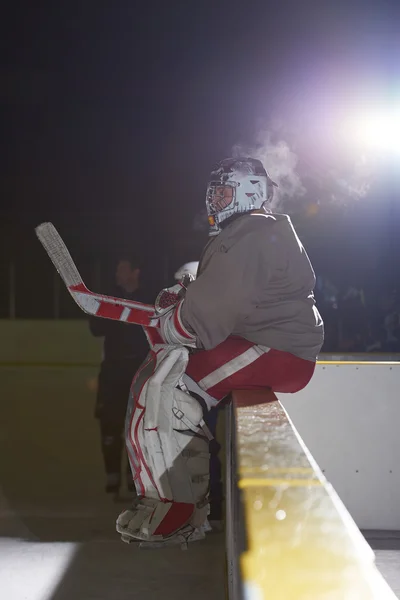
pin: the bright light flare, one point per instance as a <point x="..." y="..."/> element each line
<point x="376" y="132"/>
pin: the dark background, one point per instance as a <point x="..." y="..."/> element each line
<point x="114" y="113"/>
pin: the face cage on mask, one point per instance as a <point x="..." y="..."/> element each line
<point x="216" y="206"/>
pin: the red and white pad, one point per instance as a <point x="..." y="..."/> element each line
<point x="168" y="451"/>
<point x="173" y="330"/>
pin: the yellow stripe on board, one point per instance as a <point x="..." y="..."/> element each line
<point x="275" y="482"/>
<point x="267" y="470"/>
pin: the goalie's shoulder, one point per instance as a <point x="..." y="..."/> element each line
<point x="265" y="222"/>
<point x="250" y="227"/>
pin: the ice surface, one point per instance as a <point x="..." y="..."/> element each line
<point x="57" y="526"/>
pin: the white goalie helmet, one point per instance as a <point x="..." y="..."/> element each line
<point x="236" y="186"/>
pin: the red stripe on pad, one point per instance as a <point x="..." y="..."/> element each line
<point x="178" y="516"/>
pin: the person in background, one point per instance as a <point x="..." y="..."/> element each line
<point x="125" y="348"/>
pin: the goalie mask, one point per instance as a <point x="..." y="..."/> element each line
<point x="237" y="185"/>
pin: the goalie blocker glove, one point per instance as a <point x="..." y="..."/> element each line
<point x="168" y="306"/>
<point x="173" y="330"/>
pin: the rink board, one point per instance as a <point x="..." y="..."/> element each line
<point x="299" y="540"/>
<point x="349" y="418"/>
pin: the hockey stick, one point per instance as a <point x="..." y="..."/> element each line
<point x="91" y="303"/>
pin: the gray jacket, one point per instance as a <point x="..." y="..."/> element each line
<point x="256" y="281"/>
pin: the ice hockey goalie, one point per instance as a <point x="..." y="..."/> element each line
<point x="248" y="321"/>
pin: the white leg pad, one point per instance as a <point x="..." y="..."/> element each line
<point x="168" y="452"/>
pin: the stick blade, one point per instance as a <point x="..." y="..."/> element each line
<point x="58" y="253"/>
